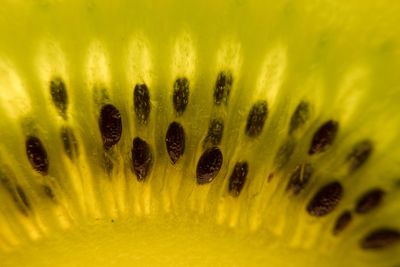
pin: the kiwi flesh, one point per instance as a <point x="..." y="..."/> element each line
<point x="244" y="133"/>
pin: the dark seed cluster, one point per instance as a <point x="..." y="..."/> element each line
<point x="23" y="196"/>
<point x="322" y="203"/>
<point x="324" y="137"/>
<point x="110" y="125"/>
<point x="299" y="178"/>
<point x="380" y="238"/>
<point x="342" y="222"/>
<point x="223" y="87"/>
<point x="69" y="141"/>
<point x="284" y="153"/>
<point x="142" y="158"/>
<point x="238" y="178"/>
<point x="175" y="141"/>
<point x="360" y="154"/>
<point x="37" y="155"/>
<point x="180" y="96"/>
<point x="299" y="117"/>
<point x="325" y="200"/>
<point x="141" y="102"/>
<point x="256" y="118"/>
<point x="369" y="201"/>
<point x="209" y="165"/>
<point x="58" y="92"/>
<point x="215" y="132"/>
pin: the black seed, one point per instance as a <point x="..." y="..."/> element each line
<point x="325" y="200"/>
<point x="361" y="152"/>
<point x="238" y="178"/>
<point x="284" y="153"/>
<point x="37" y="155"/>
<point x="215" y="132"/>
<point x="23" y="197"/>
<point x="209" y="165"/>
<point x="380" y="239"/>
<point x="69" y="141"/>
<point x="142" y="158"/>
<point x="324" y="137"/>
<point x="47" y="190"/>
<point x="141" y="101"/>
<point x="59" y="95"/>
<point x="299" y="117"/>
<point x="256" y="118"/>
<point x="342" y="222"/>
<point x="369" y="200"/>
<point x="181" y="95"/>
<point x="110" y="125"/>
<point x="299" y="178"/>
<point x="223" y="87"/>
<point x="175" y="141"/>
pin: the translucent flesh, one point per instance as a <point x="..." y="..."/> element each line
<point x="343" y="59"/>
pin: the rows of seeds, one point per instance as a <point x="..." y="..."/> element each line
<point x="211" y="158"/>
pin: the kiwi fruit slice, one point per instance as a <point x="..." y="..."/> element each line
<point x="222" y="133"/>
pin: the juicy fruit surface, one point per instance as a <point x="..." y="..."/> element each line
<point x="285" y="142"/>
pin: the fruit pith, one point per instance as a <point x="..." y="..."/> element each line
<point x="209" y="132"/>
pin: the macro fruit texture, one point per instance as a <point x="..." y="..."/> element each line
<point x="244" y="133"/>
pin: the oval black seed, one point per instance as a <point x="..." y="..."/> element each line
<point x="361" y="152"/>
<point x="325" y="200"/>
<point x="238" y="178"/>
<point x="59" y="95"/>
<point x="284" y="153"/>
<point x="141" y="102"/>
<point x="209" y="165"/>
<point x="142" y="158"/>
<point x="180" y="97"/>
<point x="299" y="178"/>
<point x="299" y="117"/>
<point x="215" y="132"/>
<point x="110" y="125"/>
<point x="37" y="155"/>
<point x="223" y="87"/>
<point x="23" y="197"/>
<point x="256" y="118"/>
<point x="342" y="222"/>
<point x="324" y="137"/>
<point x="369" y="200"/>
<point x="175" y="141"/>
<point x="69" y="141"/>
<point x="380" y="239"/>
